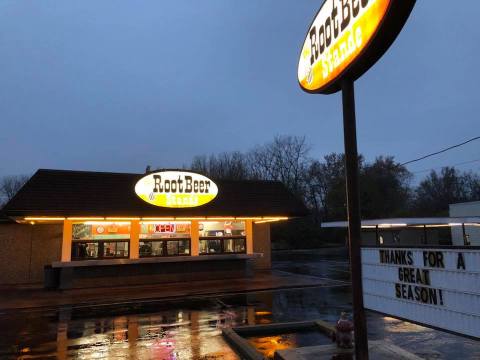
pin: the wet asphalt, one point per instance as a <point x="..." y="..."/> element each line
<point x="191" y="328"/>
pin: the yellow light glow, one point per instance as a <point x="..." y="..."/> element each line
<point x="220" y="218"/>
<point x="105" y="222"/>
<point x="158" y="218"/>
<point x="472" y="224"/>
<point x="190" y="218"/>
<point x="122" y="218"/>
<point x="32" y="222"/>
<point x="316" y="69"/>
<point x="262" y="313"/>
<point x="35" y="218"/>
<point x="99" y="219"/>
<point x="157" y="221"/>
<point x="92" y="218"/>
<point x="431" y="225"/>
<point x="271" y="220"/>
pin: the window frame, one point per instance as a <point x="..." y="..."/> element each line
<point x="101" y="249"/>
<point x="165" y="247"/>
<point x="222" y="244"/>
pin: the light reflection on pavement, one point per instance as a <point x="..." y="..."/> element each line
<point x="191" y="329"/>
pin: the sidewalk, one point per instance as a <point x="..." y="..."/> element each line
<point x="15" y="299"/>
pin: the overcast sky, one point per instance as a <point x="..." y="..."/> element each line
<point x="116" y="85"/>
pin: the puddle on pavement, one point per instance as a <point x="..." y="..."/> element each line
<point x="156" y="330"/>
<point x="267" y="345"/>
<point x="191" y="329"/>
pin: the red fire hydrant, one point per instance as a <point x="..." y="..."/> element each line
<point x="344" y="332"/>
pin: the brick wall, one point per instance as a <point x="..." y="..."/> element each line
<point x="25" y="249"/>
<point x="262" y="244"/>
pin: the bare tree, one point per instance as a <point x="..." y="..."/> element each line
<point x="324" y="186"/>
<point x="9" y="186"/>
<point x="284" y="159"/>
<point x="226" y="166"/>
<point x="200" y="165"/>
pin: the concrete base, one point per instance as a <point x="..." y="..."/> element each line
<point x="235" y="336"/>
<point x="378" y="350"/>
<point x="108" y="273"/>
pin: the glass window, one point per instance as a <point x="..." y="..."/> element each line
<point x="100" y="240"/>
<point x="164" y="248"/>
<point x="212" y="246"/>
<point x="222" y="237"/>
<point x="234" y="245"/>
<point x="165" y="238"/>
<point x="84" y="250"/>
<point x="178" y="248"/>
<point x="115" y="249"/>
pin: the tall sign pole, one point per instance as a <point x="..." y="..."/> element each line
<point x="344" y="40"/>
<point x="354" y="219"/>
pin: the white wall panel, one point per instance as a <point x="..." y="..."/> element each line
<point x="445" y="296"/>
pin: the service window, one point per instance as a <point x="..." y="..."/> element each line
<point x="100" y="240"/>
<point x="167" y="238"/>
<point x="222" y="237"/>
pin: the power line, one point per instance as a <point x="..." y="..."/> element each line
<point x="440" y="167"/>
<point x="441" y="151"/>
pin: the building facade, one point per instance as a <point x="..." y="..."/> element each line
<point x="76" y="229"/>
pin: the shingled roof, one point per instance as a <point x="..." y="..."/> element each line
<point x="85" y="193"/>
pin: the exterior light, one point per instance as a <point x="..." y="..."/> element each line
<point x="158" y="218"/>
<point x="39" y="218"/>
<point x="122" y="218"/>
<point x="220" y="218"/>
<point x="391" y="225"/>
<point x="266" y="220"/>
<point x="93" y="218"/>
<point x="190" y="218"/>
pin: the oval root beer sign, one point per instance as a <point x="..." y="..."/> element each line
<point x="176" y="189"/>
<point x="346" y="38"/>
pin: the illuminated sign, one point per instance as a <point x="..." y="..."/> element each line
<point x="346" y="38"/>
<point x="434" y="287"/>
<point x="176" y="189"/>
<point x="164" y="228"/>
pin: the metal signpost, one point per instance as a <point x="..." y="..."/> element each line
<point x="354" y="219"/>
<point x="344" y="40"/>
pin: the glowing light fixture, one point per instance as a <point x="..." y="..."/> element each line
<point x="34" y="218"/>
<point x="88" y="218"/>
<point x="122" y="218"/>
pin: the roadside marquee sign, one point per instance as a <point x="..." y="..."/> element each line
<point x="346" y="38"/>
<point x="176" y="189"/>
<point x="436" y="287"/>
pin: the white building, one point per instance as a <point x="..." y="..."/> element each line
<point x="469" y="232"/>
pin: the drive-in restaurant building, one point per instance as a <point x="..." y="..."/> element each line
<point x="76" y="229"/>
